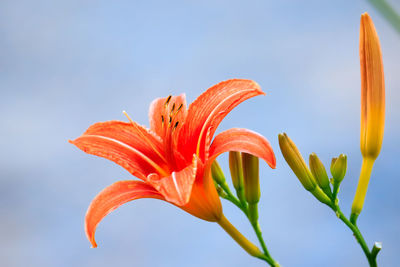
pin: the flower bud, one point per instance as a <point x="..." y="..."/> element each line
<point x="296" y="162"/>
<point x="372" y="90"/>
<point x="333" y="163"/>
<point x="251" y="178"/>
<point x="235" y="166"/>
<point x="338" y="169"/>
<point x="372" y="107"/>
<point x="217" y="173"/>
<point x="319" y="172"/>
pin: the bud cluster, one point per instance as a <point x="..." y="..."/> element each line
<point x="314" y="179"/>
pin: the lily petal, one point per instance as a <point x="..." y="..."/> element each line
<point x="204" y="201"/>
<point x="160" y="112"/>
<point x="243" y="140"/>
<point x="111" y="198"/>
<point x="127" y="144"/>
<point x="177" y="187"/>
<point x="209" y="109"/>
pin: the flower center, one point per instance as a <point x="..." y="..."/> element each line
<point x="169" y="124"/>
<point x="150" y="143"/>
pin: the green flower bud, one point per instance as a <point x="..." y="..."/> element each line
<point x="251" y="178"/>
<point x="319" y="172"/>
<point x="296" y="162"/>
<point x="333" y="163"/>
<point x="320" y="195"/>
<point x="217" y="173"/>
<point x="235" y="166"/>
<point x="338" y="169"/>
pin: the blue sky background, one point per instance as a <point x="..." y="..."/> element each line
<point x="67" y="64"/>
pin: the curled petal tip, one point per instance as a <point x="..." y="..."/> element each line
<point x="90" y="234"/>
<point x="111" y="198"/>
<point x="243" y="140"/>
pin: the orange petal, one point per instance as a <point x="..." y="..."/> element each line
<point x="243" y="140"/>
<point x="127" y="144"/>
<point x="204" y="200"/>
<point x="111" y="198"/>
<point x="162" y="107"/>
<point x="208" y="110"/>
<point x="177" y="187"/>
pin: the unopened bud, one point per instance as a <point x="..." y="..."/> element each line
<point x="251" y="178"/>
<point x="319" y="172"/>
<point x="333" y="163"/>
<point x="296" y="162"/>
<point x="339" y="168"/>
<point x="235" y="166"/>
<point x="217" y="173"/>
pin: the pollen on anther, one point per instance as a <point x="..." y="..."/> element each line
<point x="176" y="124"/>
<point x="167" y="101"/>
<point x="162" y="119"/>
<point x="179" y="108"/>
<point x="173" y="107"/>
<point x="170" y="119"/>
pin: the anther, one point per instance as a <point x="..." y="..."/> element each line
<point x="167" y="101"/>
<point x="176" y="124"/>
<point x="179" y="108"/>
<point x="162" y="119"/>
<point x="173" y="107"/>
<point x="170" y="119"/>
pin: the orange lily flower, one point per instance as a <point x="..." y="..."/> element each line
<point x="174" y="157"/>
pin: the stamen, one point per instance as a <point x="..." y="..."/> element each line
<point x="162" y="120"/>
<point x="149" y="142"/>
<point x="170" y="120"/>
<point x="167" y="101"/>
<point x="173" y="107"/>
<point x="129" y="118"/>
<point x="177" y="110"/>
<point x="176" y="124"/>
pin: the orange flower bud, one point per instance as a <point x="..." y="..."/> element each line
<point x="372" y="90"/>
<point x="372" y="107"/>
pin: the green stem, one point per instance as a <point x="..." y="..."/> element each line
<point x="266" y="256"/>
<point x="335" y="191"/>
<point x="257" y="230"/>
<point x="256" y="226"/>
<point x="371" y="257"/>
<point x="239" y="238"/>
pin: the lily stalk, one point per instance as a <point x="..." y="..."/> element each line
<point x="372" y="107"/>
<point x="244" y="168"/>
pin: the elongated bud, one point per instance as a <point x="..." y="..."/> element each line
<point x="372" y="90"/>
<point x="339" y="168"/>
<point x="251" y="178"/>
<point x="296" y="162"/>
<point x="235" y="166"/>
<point x="333" y="163"/>
<point x="372" y="107"/>
<point x="217" y="173"/>
<point x="319" y="172"/>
